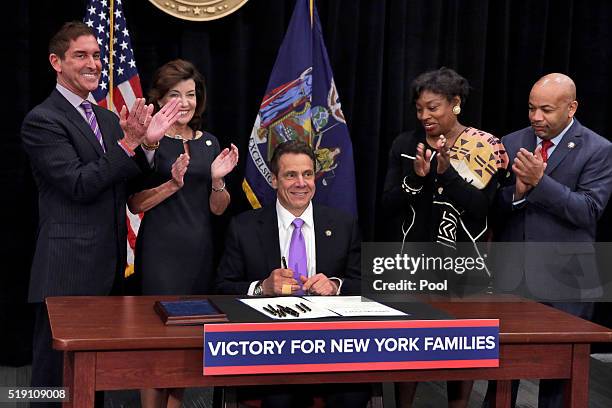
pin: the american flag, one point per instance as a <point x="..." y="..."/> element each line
<point x="116" y="52"/>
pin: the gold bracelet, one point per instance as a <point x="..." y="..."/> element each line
<point x="218" y="190"/>
<point x="150" y="147"/>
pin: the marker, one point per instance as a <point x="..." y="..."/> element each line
<point x="281" y="311"/>
<point x="284" y="262"/>
<point x="306" y="307"/>
<point x="270" y="310"/>
<point x="301" y="308"/>
<point x="291" y="311"/>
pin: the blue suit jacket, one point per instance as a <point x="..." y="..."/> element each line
<point x="252" y="249"/>
<point x="563" y="208"/>
<point x="81" y="238"/>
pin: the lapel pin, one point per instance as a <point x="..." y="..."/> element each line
<point x="328" y="233"/>
<point x="208" y="143"/>
<point x="571" y="145"/>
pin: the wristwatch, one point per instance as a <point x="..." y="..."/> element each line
<point x="258" y="290"/>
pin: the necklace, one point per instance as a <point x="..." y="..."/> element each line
<point x="194" y="136"/>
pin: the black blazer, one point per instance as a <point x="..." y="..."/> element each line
<point x="81" y="239"/>
<point x="252" y="249"/>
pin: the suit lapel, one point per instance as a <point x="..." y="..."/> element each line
<point x="105" y="127"/>
<point x="268" y="236"/>
<point x="78" y="121"/>
<point x="571" y="138"/>
<point x="529" y="141"/>
<point x="324" y="230"/>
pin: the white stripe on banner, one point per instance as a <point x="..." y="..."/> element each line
<point x="128" y="93"/>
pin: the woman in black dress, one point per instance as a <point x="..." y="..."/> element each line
<point x="441" y="181"/>
<point x="174" y="246"/>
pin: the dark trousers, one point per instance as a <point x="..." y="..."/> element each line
<point x="550" y="394"/>
<point x="47" y="363"/>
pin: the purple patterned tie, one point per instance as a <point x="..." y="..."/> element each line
<point x="93" y="123"/>
<point x="298" y="260"/>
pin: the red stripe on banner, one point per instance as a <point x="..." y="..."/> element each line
<point x="371" y="366"/>
<point x="131" y="235"/>
<point x="135" y="84"/>
<point x="118" y="100"/>
<point x="390" y="324"/>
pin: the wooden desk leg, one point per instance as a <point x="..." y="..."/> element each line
<point x="80" y="377"/>
<point x="503" y="394"/>
<point x="68" y="376"/>
<point x="576" y="389"/>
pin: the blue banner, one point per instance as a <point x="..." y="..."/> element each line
<point x="249" y="348"/>
<point x="302" y="102"/>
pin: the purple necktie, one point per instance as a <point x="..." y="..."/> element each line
<point x="298" y="260"/>
<point x="93" y="123"/>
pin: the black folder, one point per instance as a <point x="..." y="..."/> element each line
<point x="189" y="312"/>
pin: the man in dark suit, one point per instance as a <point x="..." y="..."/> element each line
<point x="259" y="241"/>
<point x="560" y="183"/>
<point x="81" y="157"/>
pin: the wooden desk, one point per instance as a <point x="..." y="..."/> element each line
<point x="113" y="343"/>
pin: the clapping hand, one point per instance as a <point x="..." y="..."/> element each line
<point x="224" y="162"/>
<point x="443" y="154"/>
<point x="422" y="160"/>
<point x="528" y="168"/>
<point x="135" y="123"/>
<point x="162" y="120"/>
<point x="179" y="168"/>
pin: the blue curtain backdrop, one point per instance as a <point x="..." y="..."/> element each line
<point x="375" y="47"/>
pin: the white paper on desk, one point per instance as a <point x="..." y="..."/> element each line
<point x="315" y="312"/>
<point x="353" y="306"/>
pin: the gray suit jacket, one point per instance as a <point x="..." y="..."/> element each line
<point x="252" y="249"/>
<point x="81" y="239"/>
<point x="563" y="208"/>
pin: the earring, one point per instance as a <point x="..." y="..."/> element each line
<point x="456" y="109"/>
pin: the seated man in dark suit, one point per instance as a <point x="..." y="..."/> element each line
<point x="322" y="246"/>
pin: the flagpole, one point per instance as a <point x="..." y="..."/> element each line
<point x="111" y="33"/>
<point x="311" y="12"/>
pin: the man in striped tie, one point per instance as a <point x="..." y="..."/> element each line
<point x="81" y="157"/>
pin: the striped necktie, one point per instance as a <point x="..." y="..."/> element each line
<point x="93" y="123"/>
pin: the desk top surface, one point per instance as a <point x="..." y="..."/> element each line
<point x="114" y="323"/>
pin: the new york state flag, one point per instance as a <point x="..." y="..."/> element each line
<point x="302" y="102"/>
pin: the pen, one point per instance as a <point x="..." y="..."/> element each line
<point x="291" y="311"/>
<point x="301" y="309"/>
<point x="306" y="307"/>
<point x="281" y="311"/>
<point x="270" y="310"/>
<point x="284" y="262"/>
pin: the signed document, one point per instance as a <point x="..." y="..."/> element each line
<point x="354" y="306"/>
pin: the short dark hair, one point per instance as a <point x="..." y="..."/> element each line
<point x="170" y="74"/>
<point x="443" y="81"/>
<point x="70" y="31"/>
<point x="294" y="147"/>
